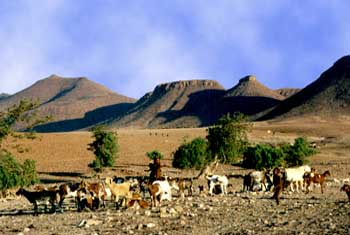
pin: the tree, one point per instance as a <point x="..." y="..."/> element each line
<point x="191" y="155"/>
<point x="13" y="173"/>
<point x="228" y="139"/>
<point x="105" y="148"/>
<point x="154" y="154"/>
<point x="23" y="113"/>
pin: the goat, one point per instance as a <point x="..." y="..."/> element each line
<point x="155" y="193"/>
<point x="67" y="191"/>
<point x="316" y="179"/>
<point x="118" y="190"/>
<point x="159" y="190"/>
<point x="136" y="201"/>
<point x="85" y="198"/>
<point x="217" y="180"/>
<point x="182" y="184"/>
<point x="35" y="196"/>
<point x="296" y="175"/>
<point x="278" y="183"/>
<point x="256" y="180"/>
<point x="97" y="190"/>
<point x="346" y="189"/>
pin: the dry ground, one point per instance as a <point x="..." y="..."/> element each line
<point x="64" y="157"/>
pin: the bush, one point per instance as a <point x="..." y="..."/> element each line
<point x="297" y="153"/>
<point x="13" y="174"/>
<point x="262" y="156"/>
<point x="104" y="147"/>
<point x="191" y="155"/>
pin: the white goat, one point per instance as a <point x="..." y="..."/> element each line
<point x="220" y="180"/>
<point x="164" y="189"/>
<point x="296" y="175"/>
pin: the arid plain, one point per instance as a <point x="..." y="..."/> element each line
<point x="64" y="157"/>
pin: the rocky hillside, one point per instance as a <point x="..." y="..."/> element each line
<point x="173" y="104"/>
<point x="287" y="92"/>
<point x="68" y="99"/>
<point x="249" y="96"/>
<point x="328" y="96"/>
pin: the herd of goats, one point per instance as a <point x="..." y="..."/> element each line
<point x="132" y="192"/>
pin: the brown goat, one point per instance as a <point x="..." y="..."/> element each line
<point x="278" y="183"/>
<point x="346" y="189"/>
<point x="155" y="193"/>
<point x="316" y="179"/>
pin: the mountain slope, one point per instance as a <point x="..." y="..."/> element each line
<point x="329" y="95"/>
<point x="249" y="97"/>
<point x="176" y="104"/>
<point x="67" y="98"/>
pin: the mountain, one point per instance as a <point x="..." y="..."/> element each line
<point x="69" y="98"/>
<point x="329" y="95"/>
<point x="249" y="97"/>
<point x="287" y="92"/>
<point x="3" y="96"/>
<point x="175" y="104"/>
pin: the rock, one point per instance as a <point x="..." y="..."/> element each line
<point x="93" y="222"/>
<point x="81" y="224"/>
<point x="148" y="213"/>
<point x="179" y="209"/>
<point x="26" y="230"/>
<point x="150" y="225"/>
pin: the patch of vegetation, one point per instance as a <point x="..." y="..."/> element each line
<point x="154" y="154"/>
<point x="191" y="155"/>
<point x="13" y="173"/>
<point x="105" y="147"/>
<point x="227" y="140"/>
<point x="264" y="156"/>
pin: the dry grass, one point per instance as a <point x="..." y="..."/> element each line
<point x="67" y="152"/>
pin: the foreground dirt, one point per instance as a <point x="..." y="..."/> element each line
<point x="236" y="213"/>
<point x="63" y="157"/>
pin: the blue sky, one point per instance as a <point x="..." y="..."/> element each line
<point x="132" y="46"/>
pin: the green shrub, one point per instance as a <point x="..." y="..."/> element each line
<point x="13" y="174"/>
<point x="262" y="156"/>
<point x="297" y="153"/>
<point x="104" y="147"/>
<point x="191" y="155"/>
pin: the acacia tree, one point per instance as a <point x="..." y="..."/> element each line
<point x="227" y="139"/>
<point x="13" y="173"/>
<point x="105" y="147"/>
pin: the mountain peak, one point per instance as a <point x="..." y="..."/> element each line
<point x="248" y="78"/>
<point x="250" y="86"/>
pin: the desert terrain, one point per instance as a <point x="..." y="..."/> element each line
<point x="63" y="157"/>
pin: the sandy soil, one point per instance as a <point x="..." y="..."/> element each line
<point x="63" y="157"/>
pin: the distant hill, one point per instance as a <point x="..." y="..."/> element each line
<point x="329" y="95"/>
<point x="3" y="96"/>
<point x="195" y="103"/>
<point x="175" y="104"/>
<point x="249" y="97"/>
<point x="69" y="98"/>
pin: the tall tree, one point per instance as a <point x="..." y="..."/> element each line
<point x="105" y="147"/>
<point x="227" y="139"/>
